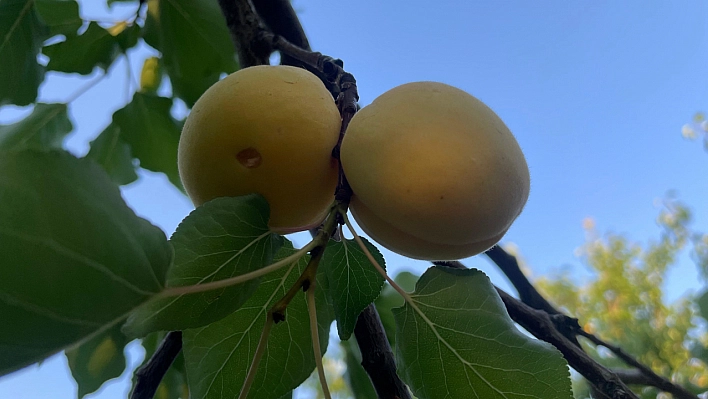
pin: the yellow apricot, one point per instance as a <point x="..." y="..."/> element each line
<point x="436" y="174"/>
<point x="268" y="130"/>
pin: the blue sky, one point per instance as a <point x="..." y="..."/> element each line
<point x="595" y="92"/>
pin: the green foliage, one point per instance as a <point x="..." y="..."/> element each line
<point x="194" y="41"/>
<point x="76" y="259"/>
<point x="97" y="360"/>
<point x="355" y="375"/>
<point x="23" y="34"/>
<point x="113" y="154"/>
<point x="623" y="303"/>
<point x="152" y="133"/>
<point x="81" y="269"/>
<point x="456" y="340"/>
<point x="44" y="129"/>
<point x="218" y="356"/>
<point x="353" y="281"/>
<point x="60" y="16"/>
<point x="80" y="54"/>
<point x="224" y="238"/>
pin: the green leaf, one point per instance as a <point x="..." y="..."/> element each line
<point x="44" y="129"/>
<point x="194" y="41"/>
<point x="113" y="154"/>
<point x="98" y="360"/>
<point x="61" y="16"/>
<point x="355" y="375"/>
<point x="218" y="355"/>
<point x="80" y="54"/>
<point x="126" y="34"/>
<point x="457" y="341"/>
<point x="153" y="135"/>
<point x="75" y="258"/>
<point x="390" y="299"/>
<point x="20" y="42"/>
<point x="174" y="384"/>
<point x="353" y="281"/>
<point x="225" y="237"/>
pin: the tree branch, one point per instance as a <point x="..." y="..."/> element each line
<point x="539" y="323"/>
<point x="246" y="32"/>
<point x="649" y="376"/>
<point x="280" y="18"/>
<point x="527" y="292"/>
<point x="148" y="377"/>
<point x="377" y="357"/>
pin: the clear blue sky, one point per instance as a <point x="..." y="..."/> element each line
<point x="595" y="92"/>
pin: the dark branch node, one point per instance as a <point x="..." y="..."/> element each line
<point x="278" y="316"/>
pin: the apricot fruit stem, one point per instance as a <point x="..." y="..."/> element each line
<point x="373" y="261"/>
<point x="260" y="349"/>
<point x="192" y="289"/>
<point x="314" y="334"/>
<point x="308" y="276"/>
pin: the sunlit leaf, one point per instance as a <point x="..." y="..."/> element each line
<point x="110" y="151"/>
<point x="20" y="42"/>
<point x="98" y="360"/>
<point x="80" y="54"/>
<point x="194" y="41"/>
<point x="44" y="129"/>
<point x="150" y="75"/>
<point x="218" y="356"/>
<point x="457" y="341"/>
<point x="61" y="16"/>
<point x="75" y="258"/>
<point x="353" y="281"/>
<point x="153" y="135"/>
<point x="223" y="238"/>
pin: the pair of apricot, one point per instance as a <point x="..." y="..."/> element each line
<point x="435" y="173"/>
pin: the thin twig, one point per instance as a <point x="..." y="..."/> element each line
<point x="650" y="377"/>
<point x="569" y="326"/>
<point x="315" y="336"/>
<point x="148" y="377"/>
<point x="539" y="323"/>
<point x="257" y="356"/>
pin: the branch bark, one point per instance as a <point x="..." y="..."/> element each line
<point x="279" y="16"/>
<point x="377" y="357"/>
<point x="148" y="377"/>
<point x="246" y="32"/>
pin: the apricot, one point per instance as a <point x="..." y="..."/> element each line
<point x="436" y="174"/>
<point x="268" y="130"/>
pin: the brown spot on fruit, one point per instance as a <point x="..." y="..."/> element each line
<point x="249" y="158"/>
